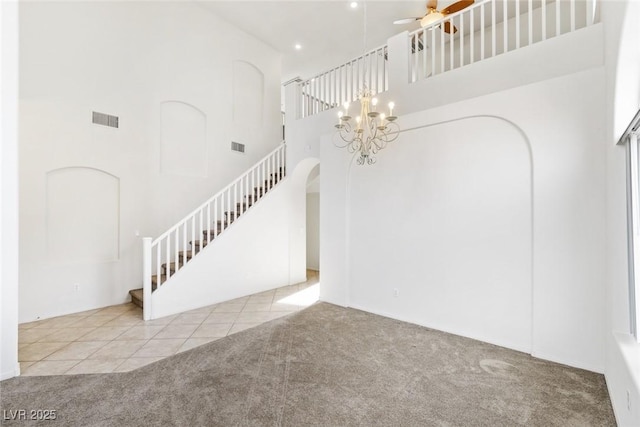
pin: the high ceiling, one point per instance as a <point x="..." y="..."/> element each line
<point x="330" y="32"/>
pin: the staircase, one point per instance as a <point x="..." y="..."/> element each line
<point x="164" y="256"/>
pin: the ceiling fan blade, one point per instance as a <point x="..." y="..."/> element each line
<point x="449" y="28"/>
<point x="406" y="20"/>
<point x="456" y="7"/>
<point x="432" y="4"/>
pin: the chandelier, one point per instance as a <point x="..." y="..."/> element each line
<point x="369" y="132"/>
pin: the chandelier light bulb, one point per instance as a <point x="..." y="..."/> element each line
<point x="346" y="107"/>
<point x="391" y="107"/>
<point x="374" y="102"/>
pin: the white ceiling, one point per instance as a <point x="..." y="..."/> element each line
<point x="330" y="31"/>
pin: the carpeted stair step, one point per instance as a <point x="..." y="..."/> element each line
<point x="276" y="176"/>
<point x="197" y="243"/>
<point x="282" y="172"/>
<point x="232" y="215"/>
<point x="243" y="206"/>
<point x="259" y="191"/>
<point x="264" y="188"/>
<point x="212" y="233"/>
<point x="223" y="224"/>
<point x="136" y="296"/>
<point x="173" y="266"/>
<point x="154" y="281"/>
<point x="186" y="254"/>
<point x="251" y="198"/>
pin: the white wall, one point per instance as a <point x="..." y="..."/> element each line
<point x="623" y="101"/>
<point x="445" y="219"/>
<point x="128" y="59"/>
<point x="9" y="366"/>
<point x="251" y="257"/>
<point x="559" y="109"/>
<point x="562" y="122"/>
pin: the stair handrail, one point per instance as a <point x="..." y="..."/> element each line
<point x="269" y="169"/>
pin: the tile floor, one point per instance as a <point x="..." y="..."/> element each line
<point x="116" y="339"/>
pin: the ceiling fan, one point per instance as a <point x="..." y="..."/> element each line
<point x="434" y="15"/>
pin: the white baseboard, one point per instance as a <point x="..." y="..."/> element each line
<point x="10" y="374"/>
<point x="569" y="362"/>
<point x="444" y="329"/>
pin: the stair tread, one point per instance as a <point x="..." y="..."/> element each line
<point x="172" y="264"/>
<point x="154" y="279"/>
<point x="136" y="297"/>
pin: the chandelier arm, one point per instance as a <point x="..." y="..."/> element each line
<point x="378" y="144"/>
<point x="345" y="134"/>
<point x="355" y="145"/>
<point x="393" y="133"/>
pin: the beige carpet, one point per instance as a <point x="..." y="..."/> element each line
<point x="326" y="366"/>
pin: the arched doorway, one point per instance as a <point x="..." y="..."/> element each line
<point x="305" y="180"/>
<point x="313" y="223"/>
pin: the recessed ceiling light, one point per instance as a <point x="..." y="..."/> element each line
<point x="298" y="46"/>
<point x="353" y="4"/>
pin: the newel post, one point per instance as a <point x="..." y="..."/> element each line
<point x="399" y="57"/>
<point x="293" y="112"/>
<point x="146" y="277"/>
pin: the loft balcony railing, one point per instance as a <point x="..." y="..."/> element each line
<point x="484" y="30"/>
<point x="341" y="84"/>
<point x="493" y="27"/>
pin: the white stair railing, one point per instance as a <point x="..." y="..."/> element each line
<point x="173" y="249"/>
<point x="490" y="28"/>
<point x="343" y="83"/>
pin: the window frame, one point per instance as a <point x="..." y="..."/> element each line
<point x="631" y="141"/>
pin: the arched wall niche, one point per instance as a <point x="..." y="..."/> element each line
<point x="82" y="215"/>
<point x="183" y="139"/>
<point x="440" y="230"/>
<point x="248" y="94"/>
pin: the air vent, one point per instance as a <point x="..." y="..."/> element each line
<point x="236" y="146"/>
<point x="105" y="119"/>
